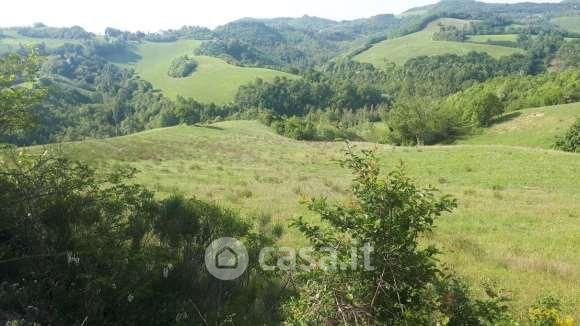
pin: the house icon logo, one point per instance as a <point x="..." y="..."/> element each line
<point x="226" y="259"/>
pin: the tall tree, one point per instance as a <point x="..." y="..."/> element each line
<point x="17" y="91"/>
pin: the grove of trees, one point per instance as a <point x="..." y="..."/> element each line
<point x="181" y="67"/>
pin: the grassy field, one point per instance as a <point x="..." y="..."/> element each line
<point x="213" y="81"/>
<point x="12" y="41"/>
<point x="519" y="208"/>
<point x="493" y="38"/>
<point x="530" y="128"/>
<point x="571" y="24"/>
<point x="401" y="49"/>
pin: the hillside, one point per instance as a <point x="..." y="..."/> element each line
<point x="213" y="81"/>
<point x="11" y="41"/>
<point x="482" y="10"/>
<point x="530" y="128"/>
<point x="571" y="24"/>
<point x="401" y="49"/>
<point x="244" y="165"/>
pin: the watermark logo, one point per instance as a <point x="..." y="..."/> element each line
<point x="226" y="259"/>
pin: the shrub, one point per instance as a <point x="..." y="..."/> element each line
<point x="303" y="128"/>
<point x="182" y="67"/>
<point x="76" y="246"/>
<point x="295" y="128"/>
<point x="571" y="141"/>
<point x="405" y="286"/>
<point x="485" y="108"/>
<point x="547" y="312"/>
<point x="417" y="122"/>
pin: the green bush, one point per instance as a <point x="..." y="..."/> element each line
<point x="571" y="141"/>
<point x="405" y="286"/>
<point x="548" y="312"/>
<point x="182" y="67"/>
<point x="76" y="246"/>
<point x="418" y="122"/>
<point x="321" y="125"/>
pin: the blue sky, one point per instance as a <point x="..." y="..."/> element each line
<point x="150" y="16"/>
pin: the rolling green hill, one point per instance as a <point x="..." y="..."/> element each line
<point x="571" y="23"/>
<point x="531" y="128"/>
<point x="12" y="41"/>
<point x="401" y="49"/>
<point x="214" y="80"/>
<point x="517" y="221"/>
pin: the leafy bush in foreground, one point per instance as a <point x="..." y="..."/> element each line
<point x="77" y="247"/>
<point x="548" y="312"/>
<point x="406" y="285"/>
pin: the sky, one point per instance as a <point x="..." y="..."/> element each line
<point x="151" y="16"/>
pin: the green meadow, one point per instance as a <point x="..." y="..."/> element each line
<point x="530" y="128"/>
<point x="401" y="49"/>
<point x="214" y="80"/>
<point x="519" y="206"/>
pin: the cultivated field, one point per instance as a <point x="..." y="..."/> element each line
<point x="418" y="44"/>
<point x="518" y="218"/>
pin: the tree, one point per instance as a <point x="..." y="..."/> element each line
<point x="188" y="111"/>
<point x="484" y="109"/>
<point x="417" y="122"/>
<point x="18" y="91"/>
<point x="401" y="283"/>
<point x="568" y="56"/>
<point x="391" y="214"/>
